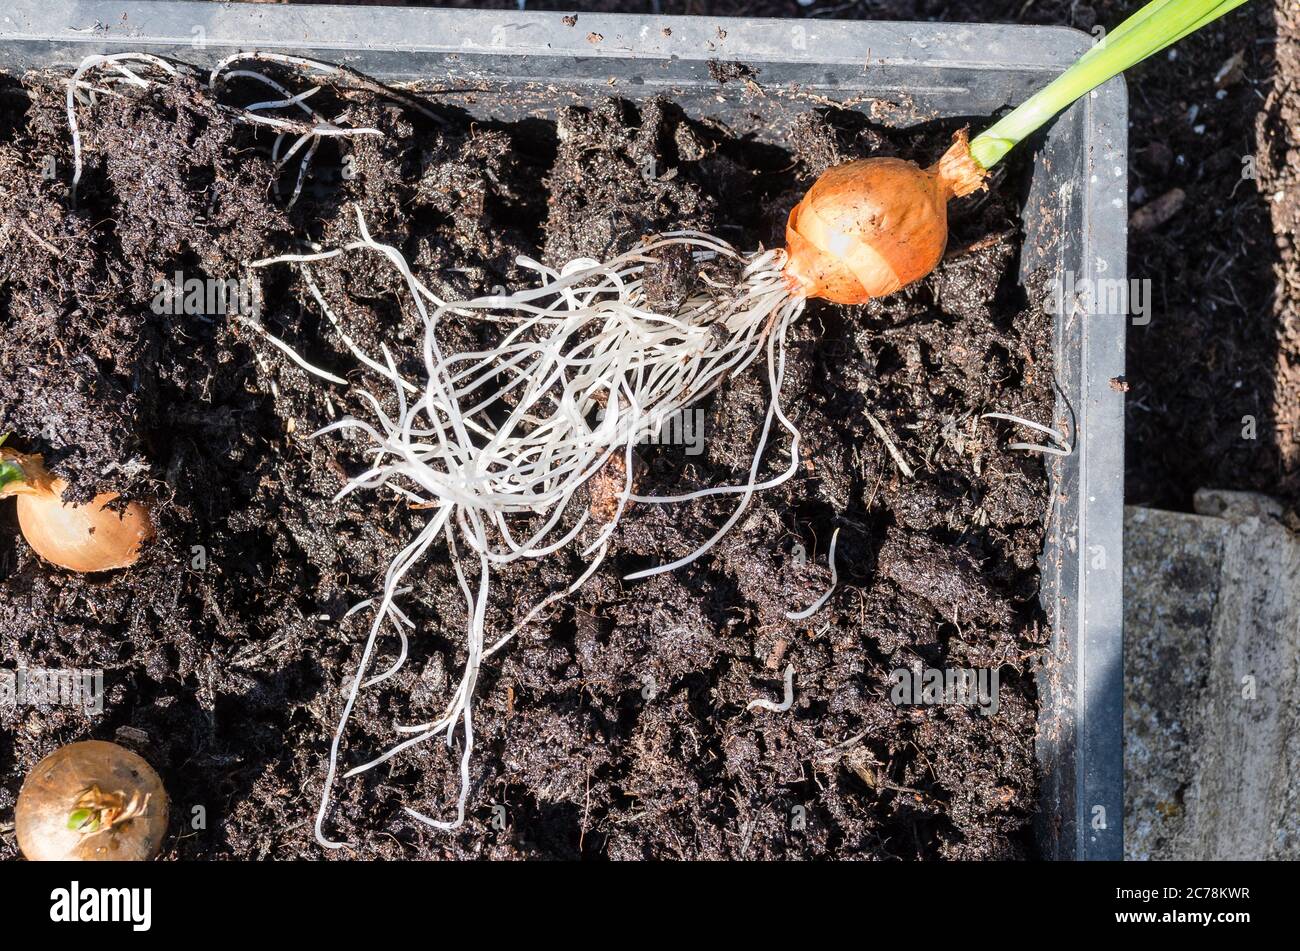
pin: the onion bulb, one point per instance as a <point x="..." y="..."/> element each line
<point x="871" y="227"/>
<point x="83" y="538"/>
<point x="91" y="802"/>
<point x="868" y="228"/>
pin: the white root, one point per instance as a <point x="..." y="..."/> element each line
<point x="289" y="351"/>
<point x="786" y="703"/>
<point x="499" y="442"/>
<point x="116" y="61"/>
<point x="310" y="135"/>
<point x="311" y="130"/>
<point x="352" y="77"/>
<point x="1061" y="447"/>
<point x="835" y="580"/>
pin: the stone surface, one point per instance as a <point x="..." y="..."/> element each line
<point x="1212" y="658"/>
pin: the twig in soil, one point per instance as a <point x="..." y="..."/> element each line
<point x="1062" y="447"/>
<point x="785" y="704"/>
<point x="245" y="661"/>
<point x="838" y="749"/>
<point x="748" y="831"/>
<point x="889" y="444"/>
<point x="49" y="248"/>
<point x="835" y="579"/>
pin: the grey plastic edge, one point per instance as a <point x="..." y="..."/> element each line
<point x="1075" y="221"/>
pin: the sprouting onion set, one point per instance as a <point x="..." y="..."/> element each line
<point x="498" y="444"/>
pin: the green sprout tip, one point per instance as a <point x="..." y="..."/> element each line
<point x="80" y="820"/>
<point x="10" y="472"/>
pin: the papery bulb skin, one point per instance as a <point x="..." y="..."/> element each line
<point x="870" y="227"/>
<point x="115" y="786"/>
<point x="84" y="538"/>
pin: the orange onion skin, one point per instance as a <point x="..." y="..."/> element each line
<point x="870" y="227"/>
<point x="82" y="538"/>
<point x="49" y="795"/>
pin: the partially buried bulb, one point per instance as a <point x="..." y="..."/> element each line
<point x="86" y="538"/>
<point x="91" y="802"/>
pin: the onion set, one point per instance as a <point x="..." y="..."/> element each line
<point x="91" y="802"/>
<point x="96" y="536"/>
<point x="871" y="227"/>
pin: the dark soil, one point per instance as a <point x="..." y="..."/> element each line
<point x="616" y="727"/>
